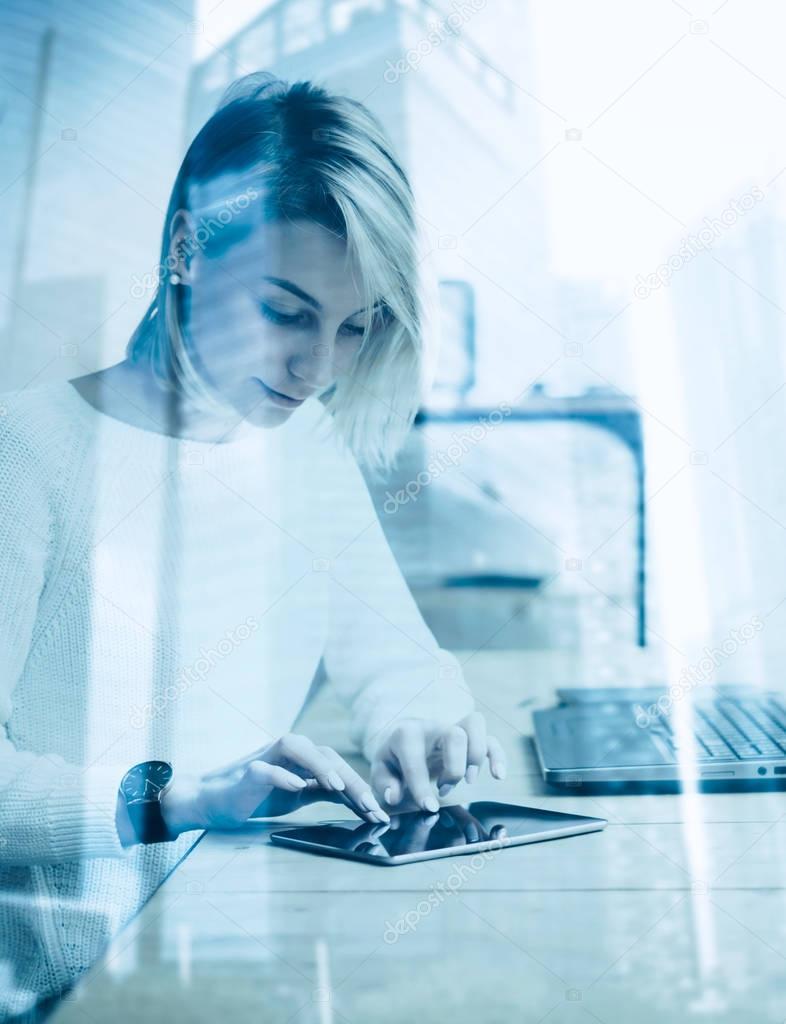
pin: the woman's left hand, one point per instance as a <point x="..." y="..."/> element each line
<point x="421" y="760"/>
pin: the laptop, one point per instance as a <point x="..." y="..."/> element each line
<point x="639" y="735"/>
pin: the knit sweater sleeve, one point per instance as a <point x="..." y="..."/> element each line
<point x="380" y="656"/>
<point x="50" y="811"/>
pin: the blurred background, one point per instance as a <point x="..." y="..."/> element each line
<point x="601" y="189"/>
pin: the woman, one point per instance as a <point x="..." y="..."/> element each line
<point x="185" y="537"/>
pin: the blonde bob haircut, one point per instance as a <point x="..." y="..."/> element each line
<point x="272" y="151"/>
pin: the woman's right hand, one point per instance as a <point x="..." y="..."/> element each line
<point x="291" y="771"/>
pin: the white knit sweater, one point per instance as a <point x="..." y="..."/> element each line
<point x="171" y="598"/>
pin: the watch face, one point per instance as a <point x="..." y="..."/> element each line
<point x="145" y="781"/>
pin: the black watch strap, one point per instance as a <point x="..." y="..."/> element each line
<point x="148" y="822"/>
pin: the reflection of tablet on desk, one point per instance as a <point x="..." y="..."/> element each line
<point x="461" y="828"/>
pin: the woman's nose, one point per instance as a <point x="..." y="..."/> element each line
<point x="314" y="366"/>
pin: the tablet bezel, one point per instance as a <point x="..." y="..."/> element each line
<point x="579" y="825"/>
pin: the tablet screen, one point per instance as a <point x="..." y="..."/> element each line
<point x="418" y="835"/>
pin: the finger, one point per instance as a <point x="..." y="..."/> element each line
<point x="303" y="753"/>
<point x="386" y="783"/>
<point x="477" y="744"/>
<point x="260" y="773"/>
<point x="368" y="832"/>
<point x="370" y="816"/>
<point x="409" y="746"/>
<point x="496" y="755"/>
<point x="356" y="789"/>
<point x="417" y="837"/>
<point x="467" y="826"/>
<point x="256" y="783"/>
<point x="365" y="847"/>
<point x="372" y="849"/>
<point x="471" y="830"/>
<point x="453" y="819"/>
<point x="454" y="756"/>
<point x="238" y="766"/>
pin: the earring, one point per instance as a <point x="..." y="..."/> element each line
<point x="174" y="278"/>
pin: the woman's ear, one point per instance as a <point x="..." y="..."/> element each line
<point x="182" y="245"/>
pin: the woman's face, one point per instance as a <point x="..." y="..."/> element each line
<point x="275" y="319"/>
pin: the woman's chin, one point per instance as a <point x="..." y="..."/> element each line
<point x="264" y="414"/>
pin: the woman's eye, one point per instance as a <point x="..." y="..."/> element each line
<point x="353" y="329"/>
<point x="277" y="317"/>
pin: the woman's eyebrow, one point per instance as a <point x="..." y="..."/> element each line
<point x="291" y="287"/>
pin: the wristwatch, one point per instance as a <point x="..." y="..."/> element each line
<point x="142" y="788"/>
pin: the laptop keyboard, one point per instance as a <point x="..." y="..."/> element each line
<point x="732" y="728"/>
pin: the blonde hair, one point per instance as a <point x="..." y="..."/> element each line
<point x="274" y="150"/>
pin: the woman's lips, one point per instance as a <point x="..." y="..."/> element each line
<point x="277" y="398"/>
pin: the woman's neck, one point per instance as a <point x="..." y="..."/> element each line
<point x="128" y="392"/>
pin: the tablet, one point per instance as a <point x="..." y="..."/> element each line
<point x="454" y="830"/>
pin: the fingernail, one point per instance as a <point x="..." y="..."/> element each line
<point x="472" y="773"/>
<point x="431" y="804"/>
<point x="388" y="794"/>
<point x="501" y="772"/>
<point x="336" y="781"/>
<point x="444" y="790"/>
<point x="367" y="800"/>
<point x="300" y="783"/>
<point x="381" y="817"/>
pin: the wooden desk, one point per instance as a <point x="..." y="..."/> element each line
<point x="677" y="912"/>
